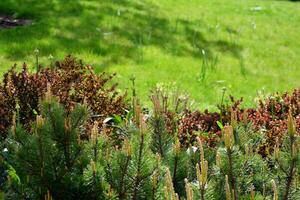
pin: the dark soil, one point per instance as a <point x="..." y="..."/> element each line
<point x="10" y="22"/>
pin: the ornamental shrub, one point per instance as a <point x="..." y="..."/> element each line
<point x="70" y="80"/>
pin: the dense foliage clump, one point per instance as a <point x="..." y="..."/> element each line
<point x="270" y="117"/>
<point x="70" y="80"/>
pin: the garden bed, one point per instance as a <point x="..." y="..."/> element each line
<point x="7" y="21"/>
<point x="66" y="133"/>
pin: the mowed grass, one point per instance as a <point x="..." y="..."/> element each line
<point x="248" y="46"/>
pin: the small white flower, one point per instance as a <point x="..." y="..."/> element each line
<point x="193" y="148"/>
<point x="107" y="33"/>
<point x="146" y="117"/>
<point x="256" y="8"/>
<point x="253" y="25"/>
<point x="196" y="184"/>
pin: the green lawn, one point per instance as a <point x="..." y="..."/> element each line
<point x="249" y="46"/>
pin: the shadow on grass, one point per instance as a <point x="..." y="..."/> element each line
<point x="114" y="29"/>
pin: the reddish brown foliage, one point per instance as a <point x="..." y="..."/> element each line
<point x="271" y="115"/>
<point x="196" y="121"/>
<point x="71" y="82"/>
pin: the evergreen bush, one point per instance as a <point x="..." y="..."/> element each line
<point x="61" y="151"/>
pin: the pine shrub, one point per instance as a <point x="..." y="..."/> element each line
<point x="57" y="145"/>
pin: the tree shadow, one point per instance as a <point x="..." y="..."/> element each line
<point x="115" y="29"/>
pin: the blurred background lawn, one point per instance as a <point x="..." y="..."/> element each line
<point x="202" y="46"/>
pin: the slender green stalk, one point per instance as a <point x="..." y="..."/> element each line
<point x="137" y="178"/>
